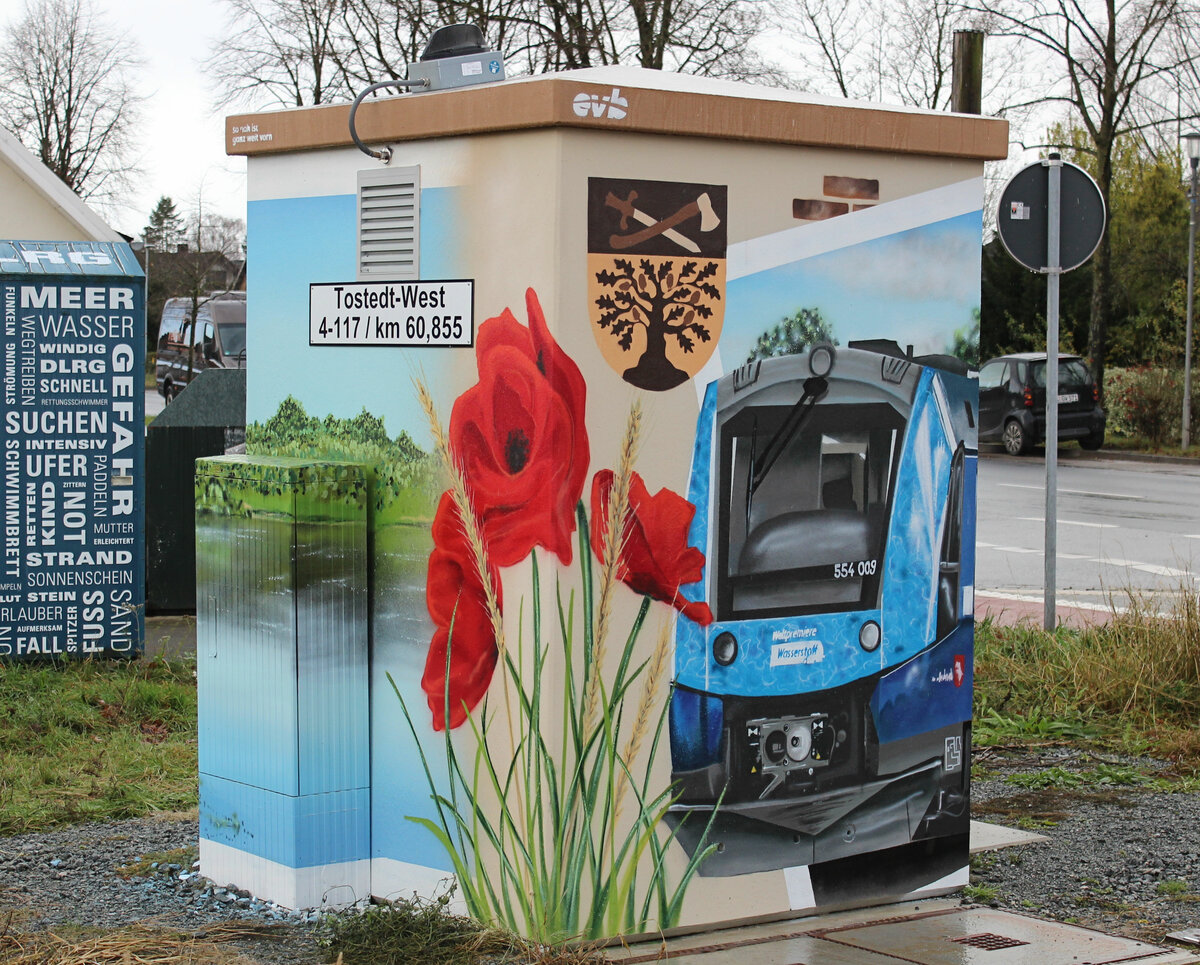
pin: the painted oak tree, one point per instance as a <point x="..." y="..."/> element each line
<point x="665" y="305"/>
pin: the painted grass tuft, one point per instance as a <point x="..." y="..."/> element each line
<point x="95" y="741"/>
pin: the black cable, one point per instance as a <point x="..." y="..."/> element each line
<point x="385" y="154"/>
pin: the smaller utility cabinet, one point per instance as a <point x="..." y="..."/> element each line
<point x="206" y="419"/>
<point x="281" y="614"/>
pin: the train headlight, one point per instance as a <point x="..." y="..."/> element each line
<point x="869" y="636"/>
<point x="725" y="648"/>
<point x="820" y="360"/>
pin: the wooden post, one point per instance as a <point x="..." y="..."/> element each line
<point x="966" y="96"/>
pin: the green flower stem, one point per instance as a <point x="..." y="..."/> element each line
<point x="561" y="867"/>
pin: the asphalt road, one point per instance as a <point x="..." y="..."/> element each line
<point x="154" y="402"/>
<point x="1121" y="525"/>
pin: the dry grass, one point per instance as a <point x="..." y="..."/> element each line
<point x="140" y="944"/>
<point x="1135" y="678"/>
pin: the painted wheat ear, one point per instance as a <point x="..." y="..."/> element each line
<point x="466" y="512"/>
<point x="614" y="543"/>
<point x="641" y="724"/>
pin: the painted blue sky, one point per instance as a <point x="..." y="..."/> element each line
<point x="917" y="286"/>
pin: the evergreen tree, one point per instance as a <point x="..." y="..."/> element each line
<point x="165" y="230"/>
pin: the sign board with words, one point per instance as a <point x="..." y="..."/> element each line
<point x="72" y="364"/>
<point x="397" y="313"/>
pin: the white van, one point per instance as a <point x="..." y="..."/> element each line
<point x="217" y="340"/>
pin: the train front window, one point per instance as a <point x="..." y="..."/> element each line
<point x="809" y="535"/>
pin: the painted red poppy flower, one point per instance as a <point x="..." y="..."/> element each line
<point x="519" y="436"/>
<point x="655" y="558"/>
<point x="454" y="593"/>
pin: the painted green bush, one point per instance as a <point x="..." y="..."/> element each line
<point x="258" y="486"/>
<point x="406" y="480"/>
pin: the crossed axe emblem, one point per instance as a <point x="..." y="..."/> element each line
<point x="702" y="206"/>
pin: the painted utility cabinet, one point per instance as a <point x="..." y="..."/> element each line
<point x="281" y="647"/>
<point x="663" y="386"/>
<point x="72" y="361"/>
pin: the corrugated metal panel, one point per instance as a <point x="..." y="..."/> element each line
<point x="281" y="563"/>
<point x="68" y="258"/>
<point x="246" y="641"/>
<point x="389" y="218"/>
<point x="331" y="629"/>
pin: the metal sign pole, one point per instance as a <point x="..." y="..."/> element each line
<point x="1053" y="274"/>
<point x="1033" y="230"/>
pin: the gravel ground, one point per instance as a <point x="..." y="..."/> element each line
<point x="1123" y="860"/>
<point x="69" y="877"/>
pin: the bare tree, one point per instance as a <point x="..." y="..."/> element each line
<point x="66" y="93"/>
<point x="295" y="52"/>
<point x="890" y="50"/>
<point x="278" y="53"/>
<point x="713" y="38"/>
<point x="1114" y="61"/>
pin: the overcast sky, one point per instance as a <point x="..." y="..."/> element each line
<point x="180" y="142"/>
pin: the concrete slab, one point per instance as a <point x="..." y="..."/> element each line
<point x="939" y="932"/>
<point x="973" y="936"/>
<point x="1189" y="936"/>
<point x="993" y="837"/>
<point x="762" y="933"/>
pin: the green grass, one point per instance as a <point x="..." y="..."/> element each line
<point x="1142" y="445"/>
<point x="92" y="740"/>
<point x="1059" y="778"/>
<point x="980" y="893"/>
<point x="1131" y="684"/>
<point x="566" y="866"/>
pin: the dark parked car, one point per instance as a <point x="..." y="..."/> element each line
<point x="1012" y="402"/>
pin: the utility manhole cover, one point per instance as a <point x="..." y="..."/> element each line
<point x="989" y="941"/>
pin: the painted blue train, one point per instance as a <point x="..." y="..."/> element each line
<point x="826" y="710"/>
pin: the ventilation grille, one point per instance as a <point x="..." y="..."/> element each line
<point x="989" y="941"/>
<point x="389" y="208"/>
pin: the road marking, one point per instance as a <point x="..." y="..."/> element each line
<point x="1062" y="601"/>
<point x="1152" y="568"/>
<point x="1059" y="601"/>
<point x="1072" y="522"/>
<point x="1005" y="549"/>
<point x="1074" y="492"/>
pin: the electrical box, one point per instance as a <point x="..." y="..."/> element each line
<point x="747" y="316"/>
<point x="281" y="648"/>
<point x="73" y="412"/>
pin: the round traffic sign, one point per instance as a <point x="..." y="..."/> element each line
<point x="1024" y="216"/>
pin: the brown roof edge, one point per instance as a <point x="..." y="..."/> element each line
<point x="552" y="101"/>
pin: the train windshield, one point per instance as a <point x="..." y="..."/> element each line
<point x="804" y="508"/>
